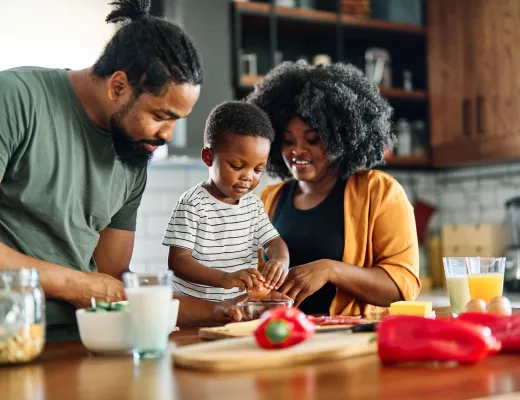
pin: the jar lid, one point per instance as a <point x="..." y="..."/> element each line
<point x="19" y="277"/>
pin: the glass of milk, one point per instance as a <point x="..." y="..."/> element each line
<point x="149" y="298"/>
<point x="456" y="271"/>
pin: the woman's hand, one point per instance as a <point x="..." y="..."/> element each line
<point x="306" y="279"/>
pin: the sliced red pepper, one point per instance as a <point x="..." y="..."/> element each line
<point x="283" y="327"/>
<point x="403" y="338"/>
<point x="505" y="328"/>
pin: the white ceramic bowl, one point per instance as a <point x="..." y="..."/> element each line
<point x="110" y="332"/>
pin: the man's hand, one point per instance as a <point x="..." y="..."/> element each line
<point x="275" y="272"/>
<point x="101" y="287"/>
<point x="227" y="311"/>
<point x="245" y="279"/>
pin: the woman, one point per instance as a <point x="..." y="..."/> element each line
<point x="350" y="230"/>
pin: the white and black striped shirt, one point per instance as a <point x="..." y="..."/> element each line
<point x="220" y="235"/>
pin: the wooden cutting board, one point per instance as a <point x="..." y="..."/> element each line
<point x="244" y="329"/>
<point x="242" y="354"/>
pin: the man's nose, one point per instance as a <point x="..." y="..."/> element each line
<point x="166" y="131"/>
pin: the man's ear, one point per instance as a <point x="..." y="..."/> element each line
<point x="207" y="156"/>
<point x="119" y="87"/>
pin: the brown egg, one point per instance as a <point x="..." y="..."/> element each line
<point x="259" y="293"/>
<point x="477" y="305"/>
<point x="499" y="306"/>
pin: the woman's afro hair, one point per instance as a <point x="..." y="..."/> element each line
<point x="349" y="113"/>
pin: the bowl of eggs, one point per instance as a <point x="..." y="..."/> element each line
<point x="497" y="305"/>
<point x="258" y="302"/>
<point x="254" y="309"/>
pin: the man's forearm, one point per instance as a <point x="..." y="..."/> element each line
<point x="194" y="312"/>
<point x="63" y="283"/>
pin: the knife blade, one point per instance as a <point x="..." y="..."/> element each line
<point x="369" y="327"/>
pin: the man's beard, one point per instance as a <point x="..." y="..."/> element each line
<point x="130" y="153"/>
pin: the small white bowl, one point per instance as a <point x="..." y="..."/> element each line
<point x="109" y="332"/>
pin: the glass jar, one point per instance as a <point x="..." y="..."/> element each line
<point x="22" y="315"/>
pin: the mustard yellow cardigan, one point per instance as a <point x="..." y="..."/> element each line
<point x="379" y="232"/>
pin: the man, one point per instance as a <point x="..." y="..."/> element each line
<point x="74" y="148"/>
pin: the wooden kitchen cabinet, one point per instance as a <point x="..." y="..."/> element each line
<point x="474" y="81"/>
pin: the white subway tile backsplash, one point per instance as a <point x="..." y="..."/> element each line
<point x="154" y="268"/>
<point x="487" y="198"/>
<point x="430" y="196"/>
<point x="138" y="268"/>
<point x="453" y="198"/>
<point x="140" y="230"/>
<point x="169" y="200"/>
<point x="506" y="193"/>
<point x="156" y="225"/>
<point x="166" y="179"/>
<point x="150" y="248"/>
<point x="151" y="201"/>
<point x="196" y="175"/>
<point x="494" y="216"/>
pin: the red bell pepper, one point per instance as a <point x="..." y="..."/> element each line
<point x="283" y="327"/>
<point x="505" y="328"/>
<point x="403" y="338"/>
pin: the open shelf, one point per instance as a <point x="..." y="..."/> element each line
<point x="326" y="17"/>
<point x="409" y="161"/>
<point x="248" y="81"/>
<point x="397" y="93"/>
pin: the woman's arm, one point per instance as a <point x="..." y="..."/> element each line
<point x="368" y="285"/>
<point x="394" y="274"/>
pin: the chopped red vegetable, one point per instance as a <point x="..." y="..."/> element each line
<point x="283" y="327"/>
<point x="403" y="338"/>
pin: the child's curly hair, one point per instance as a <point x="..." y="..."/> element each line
<point x="351" y="116"/>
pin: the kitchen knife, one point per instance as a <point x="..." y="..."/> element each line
<point x="369" y="327"/>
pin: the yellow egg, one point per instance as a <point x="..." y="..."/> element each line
<point x="499" y="306"/>
<point x="477" y="305"/>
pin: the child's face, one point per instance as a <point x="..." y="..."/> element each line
<point x="236" y="166"/>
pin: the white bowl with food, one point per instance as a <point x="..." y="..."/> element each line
<point x="106" y="329"/>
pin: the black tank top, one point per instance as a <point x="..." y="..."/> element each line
<point x="314" y="234"/>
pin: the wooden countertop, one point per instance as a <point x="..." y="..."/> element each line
<point x="67" y="371"/>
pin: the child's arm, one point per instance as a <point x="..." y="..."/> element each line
<point x="181" y="262"/>
<point x="276" y="269"/>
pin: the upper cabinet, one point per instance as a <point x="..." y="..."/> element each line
<point x="474" y="80"/>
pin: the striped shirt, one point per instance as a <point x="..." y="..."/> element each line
<point x="220" y="235"/>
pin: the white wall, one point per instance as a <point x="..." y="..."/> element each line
<point x="53" y="33"/>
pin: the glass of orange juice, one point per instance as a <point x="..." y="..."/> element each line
<point x="485" y="277"/>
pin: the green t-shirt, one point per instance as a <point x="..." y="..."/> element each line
<point x="61" y="183"/>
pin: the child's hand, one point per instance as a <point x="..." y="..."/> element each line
<point x="244" y="279"/>
<point x="275" y="272"/>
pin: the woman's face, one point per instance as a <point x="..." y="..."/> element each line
<point x="303" y="152"/>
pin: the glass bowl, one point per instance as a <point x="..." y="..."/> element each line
<point x="254" y="309"/>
